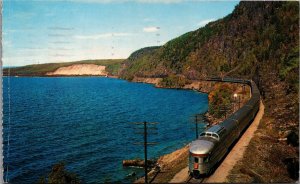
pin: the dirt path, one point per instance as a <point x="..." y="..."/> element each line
<point x="235" y="154"/>
<point x="181" y="177"/>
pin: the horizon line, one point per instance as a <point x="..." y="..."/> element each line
<point x="10" y="66"/>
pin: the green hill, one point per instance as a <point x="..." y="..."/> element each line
<point x="112" y="66"/>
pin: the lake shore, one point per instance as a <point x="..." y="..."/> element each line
<point x="200" y="86"/>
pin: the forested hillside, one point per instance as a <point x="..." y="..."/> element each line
<point x="255" y="33"/>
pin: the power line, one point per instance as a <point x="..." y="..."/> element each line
<point x="146" y="142"/>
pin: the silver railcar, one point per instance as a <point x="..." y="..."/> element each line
<point x="213" y="144"/>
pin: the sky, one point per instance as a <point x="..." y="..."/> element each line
<point x="36" y="32"/>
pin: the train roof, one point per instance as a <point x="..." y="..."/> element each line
<point x="228" y="124"/>
<point x="215" y="132"/>
<point x="215" y="129"/>
<point x="201" y="146"/>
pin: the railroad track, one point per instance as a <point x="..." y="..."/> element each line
<point x="194" y="180"/>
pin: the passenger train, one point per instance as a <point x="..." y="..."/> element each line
<point x="213" y="144"/>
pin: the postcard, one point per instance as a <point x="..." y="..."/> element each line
<point x="150" y="91"/>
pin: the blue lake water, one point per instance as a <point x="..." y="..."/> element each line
<point x="85" y="122"/>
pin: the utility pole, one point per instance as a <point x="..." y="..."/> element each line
<point x="224" y="108"/>
<point x="196" y="122"/>
<point x="199" y="119"/>
<point x="146" y="142"/>
<point x="145" y="152"/>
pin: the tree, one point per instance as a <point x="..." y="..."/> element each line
<point x="59" y="175"/>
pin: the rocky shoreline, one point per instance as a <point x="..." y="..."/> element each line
<point x="201" y="86"/>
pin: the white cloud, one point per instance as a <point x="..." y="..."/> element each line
<point x="204" y="22"/>
<point x="100" y="36"/>
<point x="150" y="29"/>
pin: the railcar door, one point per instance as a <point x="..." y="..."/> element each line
<point x="198" y="164"/>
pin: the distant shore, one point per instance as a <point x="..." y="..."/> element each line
<point x="54" y="76"/>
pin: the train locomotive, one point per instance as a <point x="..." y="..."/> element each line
<point x="213" y="144"/>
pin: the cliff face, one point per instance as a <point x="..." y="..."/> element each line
<point x="80" y="69"/>
<point x="259" y="41"/>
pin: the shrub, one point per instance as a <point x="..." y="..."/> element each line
<point x="174" y="81"/>
<point x="59" y="175"/>
<point x="220" y="97"/>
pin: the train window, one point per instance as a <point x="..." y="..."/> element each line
<point x="208" y="134"/>
<point x="196" y="160"/>
<point x="222" y="131"/>
<point x="202" y="134"/>
<point x="215" y="136"/>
